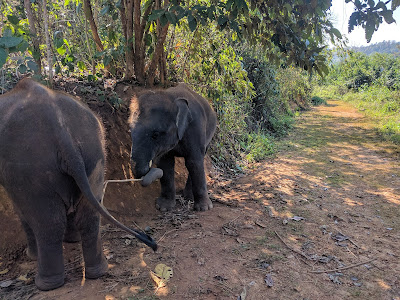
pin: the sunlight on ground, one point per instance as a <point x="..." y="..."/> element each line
<point x="383" y="284"/>
<point x="164" y="291"/>
<point x="267" y="251"/>
<point x="351" y="202"/>
<point x="284" y="214"/>
<point x="391" y="197"/>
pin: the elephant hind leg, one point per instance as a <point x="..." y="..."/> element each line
<point x="50" y="255"/>
<point x="31" y="250"/>
<point x="188" y="191"/>
<point x="71" y="233"/>
<point x="88" y="223"/>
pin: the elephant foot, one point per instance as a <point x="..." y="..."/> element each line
<point x="203" y="205"/>
<point x="32" y="254"/>
<point x="47" y="283"/>
<point x="94" y="272"/>
<point x="164" y="204"/>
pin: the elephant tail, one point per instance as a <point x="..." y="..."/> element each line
<point x="73" y="164"/>
<point x="83" y="184"/>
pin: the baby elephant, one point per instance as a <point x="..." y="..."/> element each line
<point x="52" y="166"/>
<point x="169" y="123"/>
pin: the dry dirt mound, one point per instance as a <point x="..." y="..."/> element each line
<point x="321" y="220"/>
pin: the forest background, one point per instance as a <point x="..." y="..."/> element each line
<point x="258" y="62"/>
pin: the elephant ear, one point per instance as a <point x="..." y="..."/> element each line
<point x="184" y="117"/>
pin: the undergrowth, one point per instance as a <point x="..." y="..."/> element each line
<point x="379" y="103"/>
<point x="382" y="105"/>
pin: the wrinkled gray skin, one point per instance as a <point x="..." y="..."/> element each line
<point x="52" y="166"/>
<point x="170" y="123"/>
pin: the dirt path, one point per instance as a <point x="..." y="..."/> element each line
<point x="329" y="200"/>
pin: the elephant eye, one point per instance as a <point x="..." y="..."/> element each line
<point x="155" y="135"/>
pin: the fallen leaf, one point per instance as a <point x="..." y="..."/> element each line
<point x="5" y="271"/>
<point x="23" y="278"/>
<point x="161" y="275"/>
<point x="6" y="283"/>
<point x="159" y="281"/>
<point x="164" y="271"/>
<point x="268" y="280"/>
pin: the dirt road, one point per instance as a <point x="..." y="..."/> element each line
<point x="320" y="220"/>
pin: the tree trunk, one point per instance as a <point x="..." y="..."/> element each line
<point x="48" y="46"/>
<point x="122" y="12"/>
<point x="35" y="37"/>
<point x="157" y="54"/>
<point x="89" y="16"/>
<point x="139" y="49"/>
<point x="129" y="52"/>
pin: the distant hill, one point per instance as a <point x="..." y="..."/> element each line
<point x="382" y="47"/>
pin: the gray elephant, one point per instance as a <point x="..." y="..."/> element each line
<point x="170" y="123"/>
<point x="52" y="166"/>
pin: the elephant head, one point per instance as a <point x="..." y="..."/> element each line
<point x="158" y="122"/>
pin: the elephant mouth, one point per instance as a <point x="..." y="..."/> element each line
<point x="140" y="170"/>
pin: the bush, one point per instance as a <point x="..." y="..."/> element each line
<point x="315" y="100"/>
<point x="295" y="89"/>
<point x="258" y="146"/>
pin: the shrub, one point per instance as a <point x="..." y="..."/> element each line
<point x="315" y="100"/>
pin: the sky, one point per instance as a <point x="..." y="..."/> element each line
<point x="387" y="32"/>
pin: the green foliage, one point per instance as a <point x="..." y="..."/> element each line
<point x="381" y="104"/>
<point x="14" y="42"/>
<point x="391" y="47"/>
<point x="327" y="92"/>
<point x="356" y="70"/>
<point x="370" y="15"/>
<point x="316" y="101"/>
<point x="268" y="109"/>
<point x="295" y="88"/>
<point x="258" y="146"/>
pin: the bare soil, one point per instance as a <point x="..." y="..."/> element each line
<point x="320" y="220"/>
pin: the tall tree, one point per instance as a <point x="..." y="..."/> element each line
<point x="34" y="35"/>
<point x="48" y="43"/>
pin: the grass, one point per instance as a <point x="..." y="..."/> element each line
<point x="377" y="102"/>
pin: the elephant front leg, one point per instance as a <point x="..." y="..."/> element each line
<point x="167" y="199"/>
<point x="198" y="183"/>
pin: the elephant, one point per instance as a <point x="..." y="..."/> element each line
<point x="164" y="124"/>
<point x="52" y="159"/>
